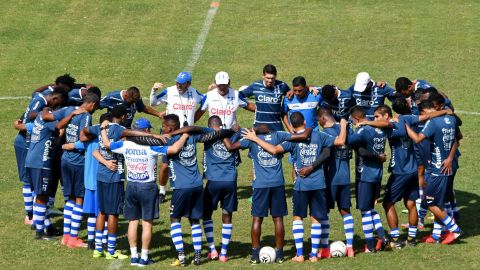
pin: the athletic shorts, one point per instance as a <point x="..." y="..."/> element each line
<point x="141" y="201"/>
<point x="449" y="193"/>
<point x="187" y="202"/>
<point x="90" y="202"/>
<point x="315" y="200"/>
<point x="422" y="152"/>
<point x="21" y="155"/>
<point x="271" y="198"/>
<point x="40" y="181"/>
<point x="401" y="186"/>
<point x="366" y="193"/>
<point x="73" y="182"/>
<point x="110" y="197"/>
<point x="339" y="194"/>
<point x="224" y="192"/>
<point x="436" y="190"/>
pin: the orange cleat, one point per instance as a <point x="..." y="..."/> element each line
<point x="223" y="258"/>
<point x="350" y="252"/>
<point x="429" y="239"/>
<point x="451" y="237"/>
<point x="65" y="239"/>
<point x="74" y="242"/>
<point x="298" y="259"/>
<point x="324" y="253"/>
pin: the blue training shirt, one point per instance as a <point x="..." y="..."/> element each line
<point x="75" y="97"/>
<point x="219" y="164"/>
<point x="267" y="168"/>
<point x="403" y="160"/>
<point x="115" y="98"/>
<point x="373" y="98"/>
<point x="304" y="154"/>
<point x="40" y="152"/>
<point x="268" y="102"/>
<point x="307" y="106"/>
<point x="341" y="106"/>
<point x="338" y="165"/>
<point x="91" y="163"/>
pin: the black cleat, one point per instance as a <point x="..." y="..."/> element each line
<point x="161" y="198"/>
<point x="197" y="259"/>
<point x="53" y="232"/>
<point x="410" y="242"/>
<point x="395" y="243"/>
<point x="254" y="261"/>
<point x="91" y="245"/>
<point x="279" y="260"/>
<point x="42" y="236"/>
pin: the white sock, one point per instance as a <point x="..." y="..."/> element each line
<point x="133" y="252"/>
<point x="163" y="190"/>
<point x="144" y="254"/>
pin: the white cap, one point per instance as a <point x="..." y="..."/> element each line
<point x="222" y="78"/>
<point x="363" y="78"/>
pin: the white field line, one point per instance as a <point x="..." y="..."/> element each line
<point x="202" y="37"/>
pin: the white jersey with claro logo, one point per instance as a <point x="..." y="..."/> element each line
<point x="224" y="106"/>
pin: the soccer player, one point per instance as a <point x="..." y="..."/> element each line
<point x="131" y="99"/>
<point x="65" y="81"/>
<point x="141" y="196"/>
<point x="308" y="192"/>
<point x="337" y="100"/>
<point x="268" y="93"/>
<point x="223" y="101"/>
<point x="76" y="96"/>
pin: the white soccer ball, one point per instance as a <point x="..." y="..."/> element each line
<point x="243" y="87"/>
<point x="267" y="255"/>
<point x="338" y="249"/>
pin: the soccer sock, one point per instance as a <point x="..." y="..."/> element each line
<point x="105" y="233"/>
<point x="98" y="240"/>
<point x="377" y="222"/>
<point x="134" y="252"/>
<point x="197" y="237"/>
<point x="91" y="222"/>
<point x="39" y="214"/>
<point x="208" y="228"/>
<point x="76" y="220"/>
<point x="67" y="217"/>
<point x="279" y="253"/>
<point x="418" y="202"/>
<point x="226" y="236"/>
<point x="163" y="190"/>
<point x="325" y="233"/>
<point x="28" y="200"/>
<point x="255" y="253"/>
<point x="144" y="255"/>
<point x="298" y="236"/>
<point x="348" y="226"/>
<point x="111" y="243"/>
<point x="448" y="209"/>
<point x="394" y="233"/>
<point x="450" y="224"/>
<point x="437" y="230"/>
<point x="51" y="201"/>
<point x="412" y="231"/>
<point x="176" y="234"/>
<point x="367" y="226"/>
<point x="315" y="233"/>
<point x="48" y="221"/>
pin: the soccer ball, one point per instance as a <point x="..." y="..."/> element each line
<point x="267" y="255"/>
<point x="338" y="249"/>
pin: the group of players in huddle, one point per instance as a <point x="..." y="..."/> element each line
<point x="58" y="141"/>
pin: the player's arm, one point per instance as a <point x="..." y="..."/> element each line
<point x="368" y="155"/>
<point x="250" y="107"/>
<point x="110" y="164"/>
<point x="42" y="88"/>
<point x="287" y="123"/>
<point x="272" y="149"/>
<point x="85" y="135"/>
<point x="152" y="111"/>
<point x="342" y="137"/>
<point x="64" y="122"/>
<point x="229" y="145"/>
<point x="301" y="136"/>
<point x="177" y="146"/>
<point x="447" y="164"/>
<point x="416" y="137"/>
<point x="307" y="170"/>
<point x="199" y="113"/>
<point x="153" y="94"/>
<point x="430" y="115"/>
<point x="376" y="123"/>
<point x="19" y="125"/>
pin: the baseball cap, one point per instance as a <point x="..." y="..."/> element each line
<point x="184" y="77"/>
<point x="142" y="123"/>
<point x="222" y="78"/>
<point x="363" y="78"/>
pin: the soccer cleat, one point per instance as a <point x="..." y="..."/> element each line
<point x="39" y="235"/>
<point x="213" y="255"/>
<point x="91" y="245"/>
<point x="395" y="243"/>
<point x="254" y="261"/>
<point x="197" y="258"/>
<point x="324" y="253"/>
<point x="410" y="242"/>
<point x="98" y="254"/>
<point x="420" y="225"/>
<point x="429" y="239"/>
<point x="223" y="258"/>
<point x="64" y="240"/>
<point x="143" y="263"/>
<point x="382" y="244"/>
<point x="74" y="242"/>
<point x="28" y="220"/>
<point x="180" y="263"/>
<point x="117" y="255"/>
<point x="350" y="252"/>
<point x="279" y="260"/>
<point x="450" y="237"/>
<point x="367" y="250"/>
<point x="134" y="261"/>
<point x="298" y="259"/>
<point x="53" y="232"/>
<point x="161" y="198"/>
<point x="313" y="258"/>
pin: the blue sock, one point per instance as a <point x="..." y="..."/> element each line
<point x="48" y="221"/>
<point x="450" y="224"/>
<point x="39" y="214"/>
<point x="279" y="253"/>
<point x="367" y="226"/>
<point x="348" y="226"/>
<point x="226" y="236"/>
<point x="28" y="200"/>
<point x="394" y="233"/>
<point x="98" y="240"/>
<point x="412" y="231"/>
<point x="298" y="236"/>
<point x="91" y="223"/>
<point x="76" y="219"/>
<point x="67" y="217"/>
<point x="176" y="234"/>
<point x="208" y="229"/>
<point x="316" y="231"/>
<point x="256" y="253"/>
<point x="437" y="230"/>
<point x="377" y="223"/>
<point x="111" y="243"/>
<point x="197" y="237"/>
<point x="325" y="233"/>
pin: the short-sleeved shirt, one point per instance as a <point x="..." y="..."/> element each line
<point x="91" y="163"/>
<point x="307" y="106"/>
<point x="402" y="159"/>
<point x="75" y="97"/>
<point x="268" y="170"/>
<point x="268" y="102"/>
<point x="183" y="167"/>
<point x="304" y="154"/>
<point x="370" y="100"/>
<point x="341" y="106"/>
<point x="114" y="133"/>
<point x="183" y="105"/>
<point x="224" y="106"/>
<point x="373" y="139"/>
<point x="113" y="99"/>
<point x="40" y="152"/>
<point x="442" y="132"/>
<point x="219" y="164"/>
<point x="140" y="160"/>
<point x="338" y="165"/>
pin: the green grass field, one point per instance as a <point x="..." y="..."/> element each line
<point x="116" y="44"/>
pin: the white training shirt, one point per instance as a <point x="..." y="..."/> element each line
<point x="223" y="106"/>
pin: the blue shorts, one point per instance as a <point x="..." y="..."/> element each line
<point x="401" y="186"/>
<point x="436" y="190"/>
<point x="21" y="155"/>
<point x="141" y="201"/>
<point x="339" y="194"/>
<point x="271" y="198"/>
<point x="366" y="193"/>
<point x="449" y="193"/>
<point x="73" y="182"/>
<point x="187" y="202"/>
<point x="90" y="202"/>
<point x="224" y="192"/>
<point x="40" y="181"/>
<point x="314" y="199"/>
<point x="110" y="197"/>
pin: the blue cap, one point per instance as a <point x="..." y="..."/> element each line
<point x="142" y="123"/>
<point x="183" y="77"/>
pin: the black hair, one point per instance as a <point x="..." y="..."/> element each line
<point x="429" y="91"/>
<point x="60" y="92"/>
<point x="105" y="116"/>
<point x="324" y="111"/>
<point x="95" y="90"/>
<point x="299" y="81"/>
<point x="437" y="98"/>
<point x="65" y="79"/>
<point x="172" y="118"/>
<point x="118" y="111"/>
<point x="214" y="120"/>
<point x="400" y="106"/>
<point x="357" y="112"/>
<point x="91" y="98"/>
<point x="384" y="109"/>
<point x="402" y="83"/>
<point x="426" y="104"/>
<point x="134" y="93"/>
<point x="329" y="93"/>
<point x="297" y="119"/>
<point x="270" y="69"/>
